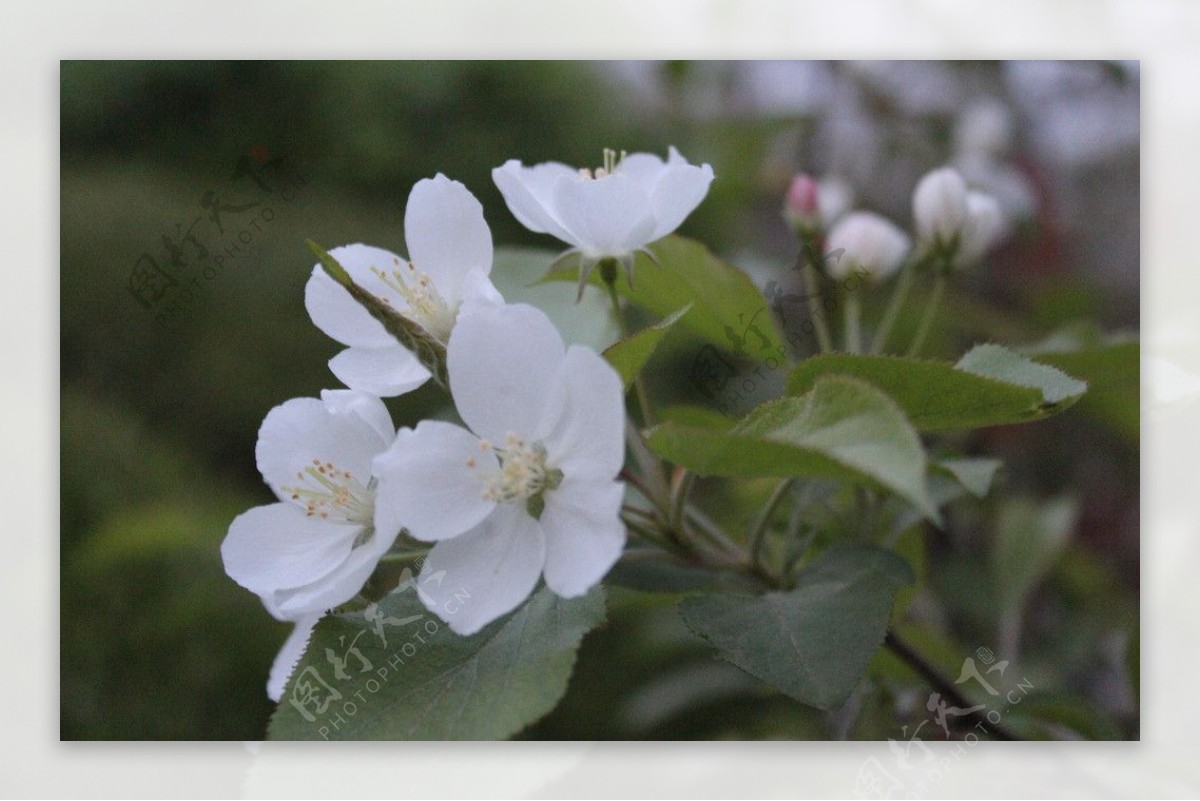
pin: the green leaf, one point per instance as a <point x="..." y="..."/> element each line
<point x="994" y="361"/>
<point x="989" y="386"/>
<point x="728" y="310"/>
<point x="1030" y="537"/>
<point x="630" y="355"/>
<point x="1113" y="375"/>
<point x="428" y="350"/>
<point x="974" y="474"/>
<point x="843" y="429"/>
<point x="813" y="642"/>
<point x="428" y="683"/>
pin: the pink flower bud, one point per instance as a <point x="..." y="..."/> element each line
<point x="801" y="207"/>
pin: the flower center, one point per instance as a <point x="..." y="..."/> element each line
<point x="424" y="305"/>
<point x="523" y="473"/>
<point x="327" y="491"/>
<point x="612" y="160"/>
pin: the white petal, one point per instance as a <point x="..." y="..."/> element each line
<point x="984" y="228"/>
<point x="503" y="362"/>
<point x="489" y="570"/>
<point x="387" y="371"/>
<point x="588" y="438"/>
<point x="363" y="405"/>
<point x="289" y="656"/>
<point x="276" y="547"/>
<point x="339" y="315"/>
<point x="608" y="216"/>
<point x="644" y="168"/>
<point x="342" y="583"/>
<point x="584" y="534"/>
<point x="427" y="483"/>
<point x="529" y="194"/>
<point x="477" y="288"/>
<point x="446" y="233"/>
<point x="303" y="429"/>
<point x="677" y="194"/>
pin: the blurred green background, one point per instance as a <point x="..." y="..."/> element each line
<point x="159" y="409"/>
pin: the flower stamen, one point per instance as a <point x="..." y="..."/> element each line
<point x="425" y="304"/>
<point x="326" y="491"/>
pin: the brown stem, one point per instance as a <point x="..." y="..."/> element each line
<point x="943" y="685"/>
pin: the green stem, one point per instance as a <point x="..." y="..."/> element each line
<point x="758" y="534"/>
<point x="935" y="299"/>
<point x="679" y="497"/>
<point x="814" y="307"/>
<point x="853" y="316"/>
<point x="899" y="296"/>
<point x="639" y="388"/>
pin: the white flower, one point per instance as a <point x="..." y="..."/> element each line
<point x="867" y="242"/>
<point x="613" y="211"/>
<point x="450" y="248"/>
<point x="530" y="490"/>
<point x="940" y="206"/>
<point x="316" y="547"/>
<point x="985" y="226"/>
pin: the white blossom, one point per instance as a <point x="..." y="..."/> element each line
<point x="529" y="491"/>
<point x="610" y="212"/>
<point x="315" y="547"/>
<point x="450" y="258"/>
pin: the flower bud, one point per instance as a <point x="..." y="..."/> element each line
<point x="800" y="206"/>
<point x="866" y="242"/>
<point x="983" y="229"/>
<point x="940" y="206"/>
<point x="811" y="204"/>
<point x="834" y="198"/>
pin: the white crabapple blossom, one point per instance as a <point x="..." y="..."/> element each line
<point x="315" y="547"/>
<point x="529" y="491"/>
<point x="613" y="211"/>
<point x="450" y="259"/>
<point x="868" y="243"/>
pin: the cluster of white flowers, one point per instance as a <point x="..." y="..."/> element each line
<point x="528" y="491"/>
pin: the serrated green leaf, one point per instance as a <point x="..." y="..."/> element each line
<point x="994" y="361"/>
<point x="843" y="429"/>
<point x="812" y="642"/>
<point x="428" y="350"/>
<point x="630" y="355"/>
<point x="1113" y="375"/>
<point x="939" y="396"/>
<point x="728" y="309"/>
<point x="426" y="682"/>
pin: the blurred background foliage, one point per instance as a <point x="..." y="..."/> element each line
<point x="159" y="411"/>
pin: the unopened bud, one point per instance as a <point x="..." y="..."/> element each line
<point x="985" y="226"/>
<point x="801" y="207"/>
<point x="865" y="241"/>
<point x="940" y="206"/>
